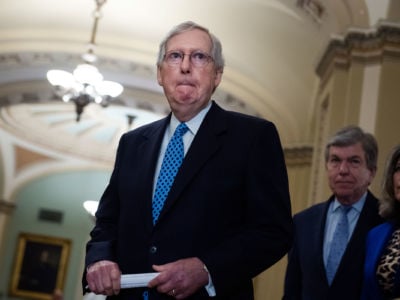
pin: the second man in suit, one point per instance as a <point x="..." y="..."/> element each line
<point x="351" y="163"/>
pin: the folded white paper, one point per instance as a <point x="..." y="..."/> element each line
<point x="136" y="280"/>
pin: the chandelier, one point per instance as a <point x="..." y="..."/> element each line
<point x="85" y="84"/>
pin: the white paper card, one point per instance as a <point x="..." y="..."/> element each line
<point x="136" y="280"/>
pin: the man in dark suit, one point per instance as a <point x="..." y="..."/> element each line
<point x="350" y="158"/>
<point x="227" y="216"/>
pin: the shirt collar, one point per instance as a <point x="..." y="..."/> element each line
<point x="193" y="124"/>
<point x="358" y="206"/>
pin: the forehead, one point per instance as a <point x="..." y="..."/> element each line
<point x="191" y="39"/>
<point x="355" y="150"/>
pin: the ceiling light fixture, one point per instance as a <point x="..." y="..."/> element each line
<point x="91" y="206"/>
<point x="85" y="85"/>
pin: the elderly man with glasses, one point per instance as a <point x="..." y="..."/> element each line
<point x="199" y="199"/>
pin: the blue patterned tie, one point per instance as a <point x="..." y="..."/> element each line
<point x="339" y="243"/>
<point x="172" y="160"/>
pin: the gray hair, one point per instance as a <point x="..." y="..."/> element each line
<point x="216" y="47"/>
<point x="352" y="135"/>
<point x="389" y="206"/>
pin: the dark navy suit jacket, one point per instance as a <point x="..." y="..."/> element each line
<point x="305" y="274"/>
<point x="377" y="239"/>
<point x="229" y="204"/>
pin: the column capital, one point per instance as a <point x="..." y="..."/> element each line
<point x="360" y="45"/>
<point x="298" y="156"/>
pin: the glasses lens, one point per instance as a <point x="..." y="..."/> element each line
<point x="197" y="58"/>
<point x="174" y="57"/>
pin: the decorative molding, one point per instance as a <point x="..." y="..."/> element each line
<point x="15" y="60"/>
<point x="319" y="150"/>
<point x="135" y="77"/>
<point x="6" y="207"/>
<point x="314" y="8"/>
<point x="298" y="156"/>
<point x="360" y="45"/>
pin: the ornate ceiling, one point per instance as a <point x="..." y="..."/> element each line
<point x="271" y="47"/>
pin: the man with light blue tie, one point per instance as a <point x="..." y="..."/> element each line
<point x="201" y="196"/>
<point x="327" y="257"/>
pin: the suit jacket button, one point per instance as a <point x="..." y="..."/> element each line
<point x="153" y="249"/>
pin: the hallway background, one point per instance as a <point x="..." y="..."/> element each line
<point x="310" y="66"/>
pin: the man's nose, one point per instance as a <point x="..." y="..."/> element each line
<point x="343" y="167"/>
<point x="186" y="64"/>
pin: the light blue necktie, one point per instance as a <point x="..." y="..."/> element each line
<point x="339" y="243"/>
<point x="172" y="160"/>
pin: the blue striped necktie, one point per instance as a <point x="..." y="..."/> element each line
<point x="339" y="243"/>
<point x="172" y="160"/>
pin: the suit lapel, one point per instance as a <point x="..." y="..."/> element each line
<point x="151" y="146"/>
<point x="368" y="216"/>
<point x="320" y="225"/>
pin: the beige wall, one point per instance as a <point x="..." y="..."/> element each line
<point x="359" y="84"/>
<point x="387" y="127"/>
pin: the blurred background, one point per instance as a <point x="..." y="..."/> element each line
<point x="309" y="66"/>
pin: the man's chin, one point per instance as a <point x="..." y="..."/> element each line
<point x="344" y="193"/>
<point x="183" y="102"/>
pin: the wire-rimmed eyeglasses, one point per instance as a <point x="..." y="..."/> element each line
<point x="197" y="58"/>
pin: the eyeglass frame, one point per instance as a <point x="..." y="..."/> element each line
<point x="354" y="162"/>
<point x="182" y="54"/>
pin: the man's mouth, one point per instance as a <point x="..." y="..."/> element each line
<point x="186" y="82"/>
<point x="344" y="182"/>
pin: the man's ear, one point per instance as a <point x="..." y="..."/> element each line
<point x="373" y="173"/>
<point x="217" y="77"/>
<point x="159" y="78"/>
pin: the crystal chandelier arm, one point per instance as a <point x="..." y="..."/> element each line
<point x="86" y="84"/>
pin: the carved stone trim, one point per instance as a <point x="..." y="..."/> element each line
<point x="360" y="45"/>
<point x="298" y="156"/>
<point x="6" y="207"/>
<point x="36" y="63"/>
<point x="314" y="8"/>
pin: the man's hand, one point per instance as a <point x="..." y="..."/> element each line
<point x="181" y="278"/>
<point x="104" y="277"/>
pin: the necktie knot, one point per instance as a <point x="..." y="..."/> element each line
<point x="181" y="129"/>
<point x="345" y="209"/>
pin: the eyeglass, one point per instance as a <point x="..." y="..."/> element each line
<point x="351" y="162"/>
<point x="197" y="58"/>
